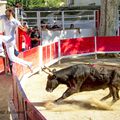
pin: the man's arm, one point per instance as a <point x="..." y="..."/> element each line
<point x="22" y="28"/>
<point x="19" y="25"/>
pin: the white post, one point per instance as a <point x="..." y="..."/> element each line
<point x="40" y="57"/>
<point x="95" y="18"/>
<point x="95" y="34"/>
<point x="16" y="13"/>
<point x="38" y="19"/>
<point x="95" y="40"/>
<point x="59" y="51"/>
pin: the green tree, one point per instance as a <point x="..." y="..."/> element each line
<point x="37" y="3"/>
<point x="11" y="2"/>
<point x="54" y="3"/>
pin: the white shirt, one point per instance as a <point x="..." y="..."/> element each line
<point x="9" y="25"/>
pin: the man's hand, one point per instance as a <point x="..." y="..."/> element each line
<point x="22" y="28"/>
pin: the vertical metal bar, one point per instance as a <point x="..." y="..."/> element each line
<point x="16" y="13"/>
<point x="63" y="23"/>
<point x="59" y="51"/>
<point x="38" y="19"/>
<point x="94" y="13"/>
<point x="95" y="40"/>
<point x="40" y="29"/>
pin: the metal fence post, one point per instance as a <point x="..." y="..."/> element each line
<point x="63" y="21"/>
<point x="38" y="19"/>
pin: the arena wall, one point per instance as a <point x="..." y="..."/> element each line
<point x="49" y="54"/>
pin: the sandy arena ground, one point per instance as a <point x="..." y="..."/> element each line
<point x="80" y="106"/>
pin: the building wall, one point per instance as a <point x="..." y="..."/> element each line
<point x="2" y="11"/>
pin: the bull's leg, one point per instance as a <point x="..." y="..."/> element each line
<point x="108" y="96"/>
<point x="115" y="86"/>
<point x="115" y="94"/>
<point x="66" y="94"/>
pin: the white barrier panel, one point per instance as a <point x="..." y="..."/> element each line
<point x="53" y="36"/>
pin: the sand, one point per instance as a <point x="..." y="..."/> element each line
<point x="80" y="106"/>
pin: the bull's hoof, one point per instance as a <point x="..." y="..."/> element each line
<point x="115" y="100"/>
<point x="57" y="101"/>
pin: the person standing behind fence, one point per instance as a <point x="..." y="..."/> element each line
<point x="10" y="24"/>
<point x="35" y="37"/>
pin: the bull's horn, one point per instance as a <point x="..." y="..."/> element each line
<point x="47" y="68"/>
<point x="49" y="73"/>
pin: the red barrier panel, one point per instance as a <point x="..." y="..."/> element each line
<point x="24" y="109"/>
<point x="77" y="46"/>
<point x="18" y="99"/>
<point x="15" y="93"/>
<point x="1" y="65"/>
<point x="32" y="113"/>
<point x="108" y="44"/>
<point x="1" y="60"/>
<point x="49" y="52"/>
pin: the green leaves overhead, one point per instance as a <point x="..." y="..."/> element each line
<point x="37" y="3"/>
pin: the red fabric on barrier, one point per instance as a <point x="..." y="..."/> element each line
<point x="20" y="40"/>
<point x="27" y="41"/>
<point x="20" y="32"/>
<point x="77" y="46"/>
<point x="108" y="44"/>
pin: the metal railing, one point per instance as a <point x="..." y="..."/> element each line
<point x="63" y="19"/>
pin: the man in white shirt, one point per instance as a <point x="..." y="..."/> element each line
<point x="10" y="24"/>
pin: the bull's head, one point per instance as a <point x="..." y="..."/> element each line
<point x="52" y="81"/>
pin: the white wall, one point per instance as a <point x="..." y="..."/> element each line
<point x="86" y="2"/>
<point x="50" y="36"/>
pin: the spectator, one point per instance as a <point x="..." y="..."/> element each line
<point x="10" y="25"/>
<point x="35" y="37"/>
<point x="71" y="26"/>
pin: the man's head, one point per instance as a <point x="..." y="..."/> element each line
<point x="9" y="12"/>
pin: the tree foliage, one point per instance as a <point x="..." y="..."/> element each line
<point x="37" y="3"/>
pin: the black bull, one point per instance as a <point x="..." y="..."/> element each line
<point x="80" y="78"/>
